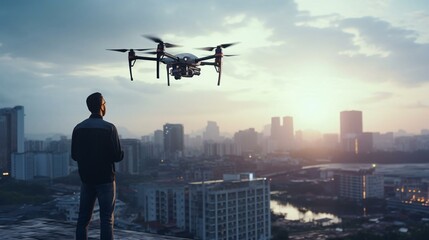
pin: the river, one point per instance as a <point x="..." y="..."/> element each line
<point x="401" y="170"/>
<point x="292" y="212"/>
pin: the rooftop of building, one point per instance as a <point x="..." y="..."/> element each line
<point x="225" y="181"/>
<point x="356" y="171"/>
<point x="44" y="228"/>
<point x="231" y="178"/>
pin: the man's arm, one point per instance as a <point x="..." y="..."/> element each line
<point x="74" y="154"/>
<point x="118" y="154"/>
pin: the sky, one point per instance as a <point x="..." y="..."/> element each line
<point x="306" y="59"/>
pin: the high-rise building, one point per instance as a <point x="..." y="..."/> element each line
<point x="287" y="133"/>
<point x="11" y="136"/>
<point x="158" y="144"/>
<point x="237" y="207"/>
<point x="212" y="132"/>
<point x="22" y="166"/>
<point x="26" y="166"/>
<point x="351" y="128"/>
<point x="275" y="129"/>
<point x="164" y="203"/>
<point x="131" y="162"/>
<point x="34" y="146"/>
<point x="58" y="146"/>
<point x="158" y="137"/>
<point x="282" y="136"/>
<point x="246" y="141"/>
<point x="174" y="138"/>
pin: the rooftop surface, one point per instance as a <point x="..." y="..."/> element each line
<point x="47" y="229"/>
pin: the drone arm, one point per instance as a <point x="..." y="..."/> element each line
<point x="205" y="58"/>
<point x="145" y="58"/>
<point x="207" y="63"/>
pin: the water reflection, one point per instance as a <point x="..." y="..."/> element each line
<point x="293" y="213"/>
<point x="409" y="169"/>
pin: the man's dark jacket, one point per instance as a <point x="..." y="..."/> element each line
<point x="96" y="148"/>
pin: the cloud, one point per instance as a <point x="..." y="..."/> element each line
<point x="377" y="97"/>
<point x="403" y="60"/>
<point x="54" y="54"/>
<point x="417" y="105"/>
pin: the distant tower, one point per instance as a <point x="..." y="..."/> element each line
<point x="350" y="130"/>
<point x="287" y="133"/>
<point x="212" y="132"/>
<point x="275" y="136"/>
<point x="158" y="138"/>
<point x="131" y="162"/>
<point x="11" y="136"/>
<point x="275" y="128"/>
<point x="246" y="141"/>
<point x="174" y="138"/>
<point x="282" y="136"/>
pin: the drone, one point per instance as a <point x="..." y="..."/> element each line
<point x="178" y="65"/>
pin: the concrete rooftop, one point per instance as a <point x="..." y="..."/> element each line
<point x="46" y="229"/>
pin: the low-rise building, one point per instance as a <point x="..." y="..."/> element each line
<point x="359" y="184"/>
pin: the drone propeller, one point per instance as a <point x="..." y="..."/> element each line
<point x="158" y="40"/>
<point x="225" y="45"/>
<point x="129" y="50"/>
<point x="160" y="52"/>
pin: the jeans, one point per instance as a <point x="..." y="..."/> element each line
<point x="106" y="195"/>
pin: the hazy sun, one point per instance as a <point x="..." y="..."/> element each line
<point x="314" y="100"/>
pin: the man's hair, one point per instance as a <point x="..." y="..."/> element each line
<point x="94" y="101"/>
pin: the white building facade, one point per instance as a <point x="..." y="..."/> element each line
<point x="359" y="184"/>
<point x="26" y="166"/>
<point x="164" y="203"/>
<point x="237" y="207"/>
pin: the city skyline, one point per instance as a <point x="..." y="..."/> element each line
<point x="296" y="58"/>
<point x="266" y="130"/>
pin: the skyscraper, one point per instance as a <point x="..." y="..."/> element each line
<point x="212" y="132"/>
<point x="246" y="141"/>
<point x="275" y="129"/>
<point x="11" y="136"/>
<point x="173" y="140"/>
<point x="350" y="130"/>
<point x="158" y="138"/>
<point x="287" y="133"/>
<point x="131" y="162"/>
<point x="282" y="136"/>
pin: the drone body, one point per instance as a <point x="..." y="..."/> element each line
<point x="179" y="65"/>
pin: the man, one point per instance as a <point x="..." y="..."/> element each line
<point x="96" y="148"/>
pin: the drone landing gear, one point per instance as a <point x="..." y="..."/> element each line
<point x="130" y="65"/>
<point x="168" y="75"/>
<point x="131" y="61"/>
<point x="219" y="70"/>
